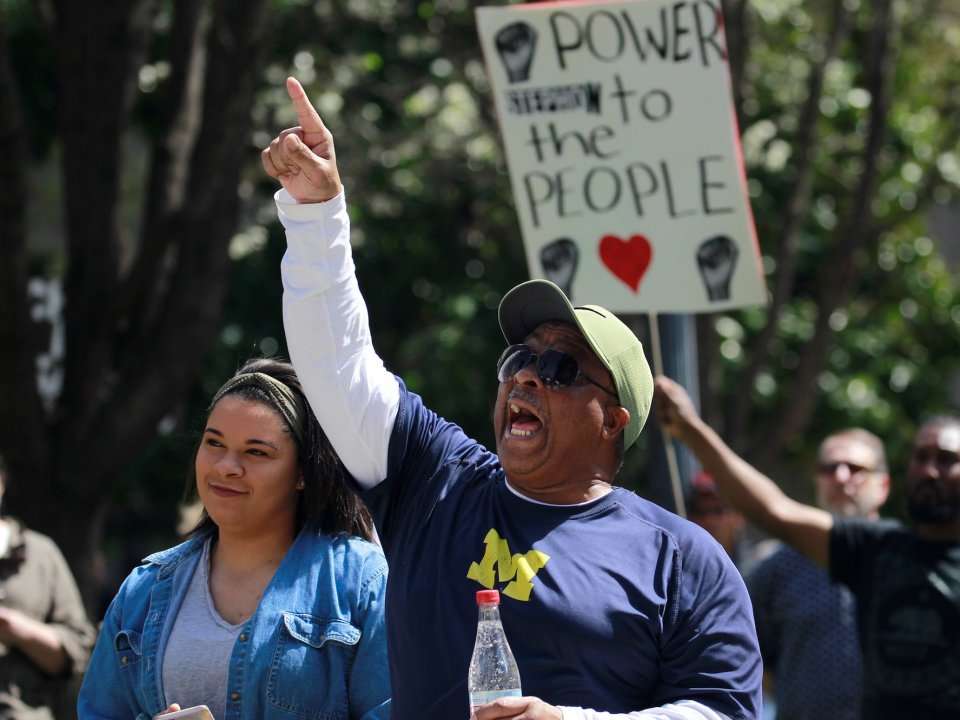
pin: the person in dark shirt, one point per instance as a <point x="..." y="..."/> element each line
<point x="906" y="581"/>
<point x="610" y="603"/>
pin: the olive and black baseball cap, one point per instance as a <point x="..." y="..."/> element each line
<point x="527" y="306"/>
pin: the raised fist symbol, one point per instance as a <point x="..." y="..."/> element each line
<point x="559" y="260"/>
<point x="516" y="43"/>
<point x="717" y="258"/>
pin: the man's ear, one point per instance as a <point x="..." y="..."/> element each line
<point x="885" y="488"/>
<point x="615" y="420"/>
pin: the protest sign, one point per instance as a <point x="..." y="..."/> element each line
<point x="623" y="152"/>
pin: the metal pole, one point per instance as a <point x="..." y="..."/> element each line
<point x="678" y="344"/>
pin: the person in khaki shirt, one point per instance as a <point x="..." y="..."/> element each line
<point x="45" y="635"/>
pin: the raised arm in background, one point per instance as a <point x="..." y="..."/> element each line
<point x="805" y="527"/>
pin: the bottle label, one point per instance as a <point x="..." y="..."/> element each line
<point x="483" y="697"/>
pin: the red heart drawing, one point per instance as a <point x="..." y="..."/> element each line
<point x="627" y="259"/>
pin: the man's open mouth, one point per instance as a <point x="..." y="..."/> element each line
<point x="522" y="421"/>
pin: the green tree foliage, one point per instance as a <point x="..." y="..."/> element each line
<point x="849" y="116"/>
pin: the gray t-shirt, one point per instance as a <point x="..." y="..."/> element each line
<point x="807" y="628"/>
<point x="197" y="657"/>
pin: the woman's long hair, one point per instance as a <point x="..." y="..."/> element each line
<point x="327" y="501"/>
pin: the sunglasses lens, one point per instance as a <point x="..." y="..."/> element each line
<point x="557" y="368"/>
<point x="513" y="360"/>
<point x="832" y="467"/>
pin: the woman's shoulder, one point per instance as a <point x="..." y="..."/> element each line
<point x="161" y="563"/>
<point x="344" y="553"/>
<point x="174" y="555"/>
<point x="340" y="543"/>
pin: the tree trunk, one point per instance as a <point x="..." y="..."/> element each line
<point x="853" y="236"/>
<point x="75" y="520"/>
<point x="23" y="430"/>
<point x="793" y="221"/>
<point x="135" y="344"/>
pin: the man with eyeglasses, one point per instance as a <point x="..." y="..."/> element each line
<point x="905" y="580"/>
<point x="806" y="624"/>
<point x="610" y="604"/>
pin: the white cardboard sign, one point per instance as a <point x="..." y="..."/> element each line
<point x="623" y="152"/>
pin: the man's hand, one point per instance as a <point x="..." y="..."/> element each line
<point x="302" y="158"/>
<point x="36" y="640"/>
<point x="14" y="626"/>
<point x="521" y="708"/>
<point x="674" y="408"/>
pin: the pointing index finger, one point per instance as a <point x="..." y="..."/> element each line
<point x="307" y="115"/>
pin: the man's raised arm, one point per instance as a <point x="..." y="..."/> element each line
<point x="325" y="318"/>
<point x="751" y="492"/>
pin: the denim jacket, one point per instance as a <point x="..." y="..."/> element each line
<point x="314" y="648"/>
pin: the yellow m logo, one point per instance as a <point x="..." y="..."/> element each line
<point x="520" y="569"/>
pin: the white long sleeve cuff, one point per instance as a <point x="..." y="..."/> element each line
<point x="682" y="710"/>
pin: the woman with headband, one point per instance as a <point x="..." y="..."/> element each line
<point x="273" y="608"/>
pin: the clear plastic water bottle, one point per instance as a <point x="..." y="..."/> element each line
<point x="493" y="671"/>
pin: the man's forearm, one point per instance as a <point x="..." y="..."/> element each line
<point x="41" y="643"/>
<point x="751" y="492"/>
<point x="746" y="488"/>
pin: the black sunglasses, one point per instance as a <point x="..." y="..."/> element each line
<point x="555" y="368"/>
<point x="830" y="468"/>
